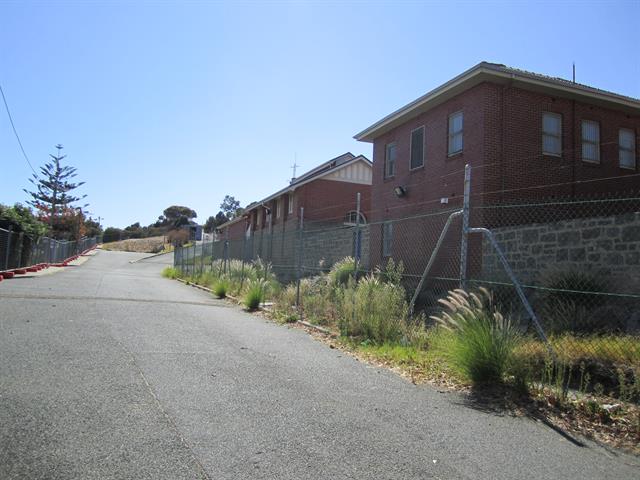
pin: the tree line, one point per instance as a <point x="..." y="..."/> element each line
<point x="54" y="209"/>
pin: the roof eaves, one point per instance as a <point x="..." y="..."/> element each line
<point x="498" y="70"/>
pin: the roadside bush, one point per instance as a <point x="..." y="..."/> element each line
<point x="342" y="271"/>
<point x="171" y="272"/>
<point x="375" y="311"/>
<point x="221" y="287"/>
<point x="391" y="272"/>
<point x="255" y="294"/>
<point x="479" y="342"/>
<point x="567" y="301"/>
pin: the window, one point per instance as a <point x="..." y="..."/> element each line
<point x="627" y="148"/>
<point x="390" y="161"/>
<point x="290" y="202"/>
<point x="387" y="238"/>
<point x="417" y="148"/>
<point x="278" y="207"/>
<point x="352" y="216"/>
<point x="551" y="134"/>
<point x="258" y="215"/>
<point x="455" y="133"/>
<point x="590" y="141"/>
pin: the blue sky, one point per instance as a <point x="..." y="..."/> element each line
<point x="161" y="103"/>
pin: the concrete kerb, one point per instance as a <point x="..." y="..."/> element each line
<point x="301" y="322"/>
<point x="150" y="256"/>
<point x="42" y="269"/>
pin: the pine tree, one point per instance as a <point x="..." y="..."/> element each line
<point x="53" y="198"/>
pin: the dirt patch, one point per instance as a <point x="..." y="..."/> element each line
<point x="139" y="245"/>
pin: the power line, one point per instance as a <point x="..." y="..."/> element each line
<point x="6" y="106"/>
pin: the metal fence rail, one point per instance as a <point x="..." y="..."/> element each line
<point x="18" y="250"/>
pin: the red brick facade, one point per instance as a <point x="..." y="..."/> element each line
<point x="503" y="135"/>
<point x="502" y="141"/>
<point x="324" y="201"/>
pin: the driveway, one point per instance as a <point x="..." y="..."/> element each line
<point x="109" y="371"/>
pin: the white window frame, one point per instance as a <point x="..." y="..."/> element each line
<point x="278" y="207"/>
<point x="387" y="239"/>
<point x="350" y="218"/>
<point x="290" y="201"/>
<point x="557" y="136"/>
<point x="387" y="147"/>
<point x="411" y="167"/>
<point x="622" y="149"/>
<point x="586" y="142"/>
<point x="453" y="134"/>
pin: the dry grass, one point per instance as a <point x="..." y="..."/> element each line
<point x="138" y="245"/>
<point x="571" y="350"/>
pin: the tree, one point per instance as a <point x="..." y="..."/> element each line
<point x="93" y="228"/>
<point x="21" y="219"/>
<point x="52" y="197"/>
<point x="210" y="224"/>
<point x="177" y="215"/>
<point x="230" y="207"/>
<point x="221" y="218"/>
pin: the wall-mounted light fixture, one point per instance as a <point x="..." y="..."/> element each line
<point x="400" y="191"/>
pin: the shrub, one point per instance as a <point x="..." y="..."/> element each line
<point x="374" y="311"/>
<point x="255" y="294"/>
<point x="391" y="273"/>
<point x="567" y="300"/>
<point x="171" y="272"/>
<point x="221" y="287"/>
<point x="480" y="342"/>
<point x="342" y="271"/>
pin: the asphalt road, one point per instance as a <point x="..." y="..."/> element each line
<point x="108" y="371"/>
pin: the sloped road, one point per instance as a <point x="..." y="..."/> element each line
<point x="108" y="371"/>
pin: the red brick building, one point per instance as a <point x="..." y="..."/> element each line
<point x="527" y="137"/>
<point x="268" y="227"/>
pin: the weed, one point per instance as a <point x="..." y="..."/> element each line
<point x="255" y="294"/>
<point x="391" y="273"/>
<point x="482" y="342"/>
<point x="171" y="272"/>
<point x="374" y="310"/>
<point x="221" y="287"/>
<point x="342" y="271"/>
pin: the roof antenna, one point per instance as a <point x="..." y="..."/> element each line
<point x="574" y="72"/>
<point x="294" y="166"/>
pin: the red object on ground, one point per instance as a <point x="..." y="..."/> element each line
<point x="32" y="269"/>
<point x="1" y="277"/>
<point x="20" y="271"/>
<point x="7" y="275"/>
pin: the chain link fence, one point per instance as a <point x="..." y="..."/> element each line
<point x="18" y="250"/>
<point x="562" y="263"/>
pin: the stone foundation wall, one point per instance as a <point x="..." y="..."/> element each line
<point x="606" y="245"/>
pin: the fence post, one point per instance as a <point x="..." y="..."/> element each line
<point x="464" y="244"/>
<point x="244" y="255"/>
<point x="20" y="242"/>
<point x="195" y="246"/>
<point x="202" y="250"/>
<point x="6" y="256"/>
<point x="270" y="249"/>
<point x="226" y="249"/>
<point x="300" y="253"/>
<point x="356" y="253"/>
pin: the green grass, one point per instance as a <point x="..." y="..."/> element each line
<point x="342" y="271"/>
<point x="171" y="272"/>
<point x="477" y="342"/>
<point x="255" y="294"/>
<point x="221" y="287"/>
